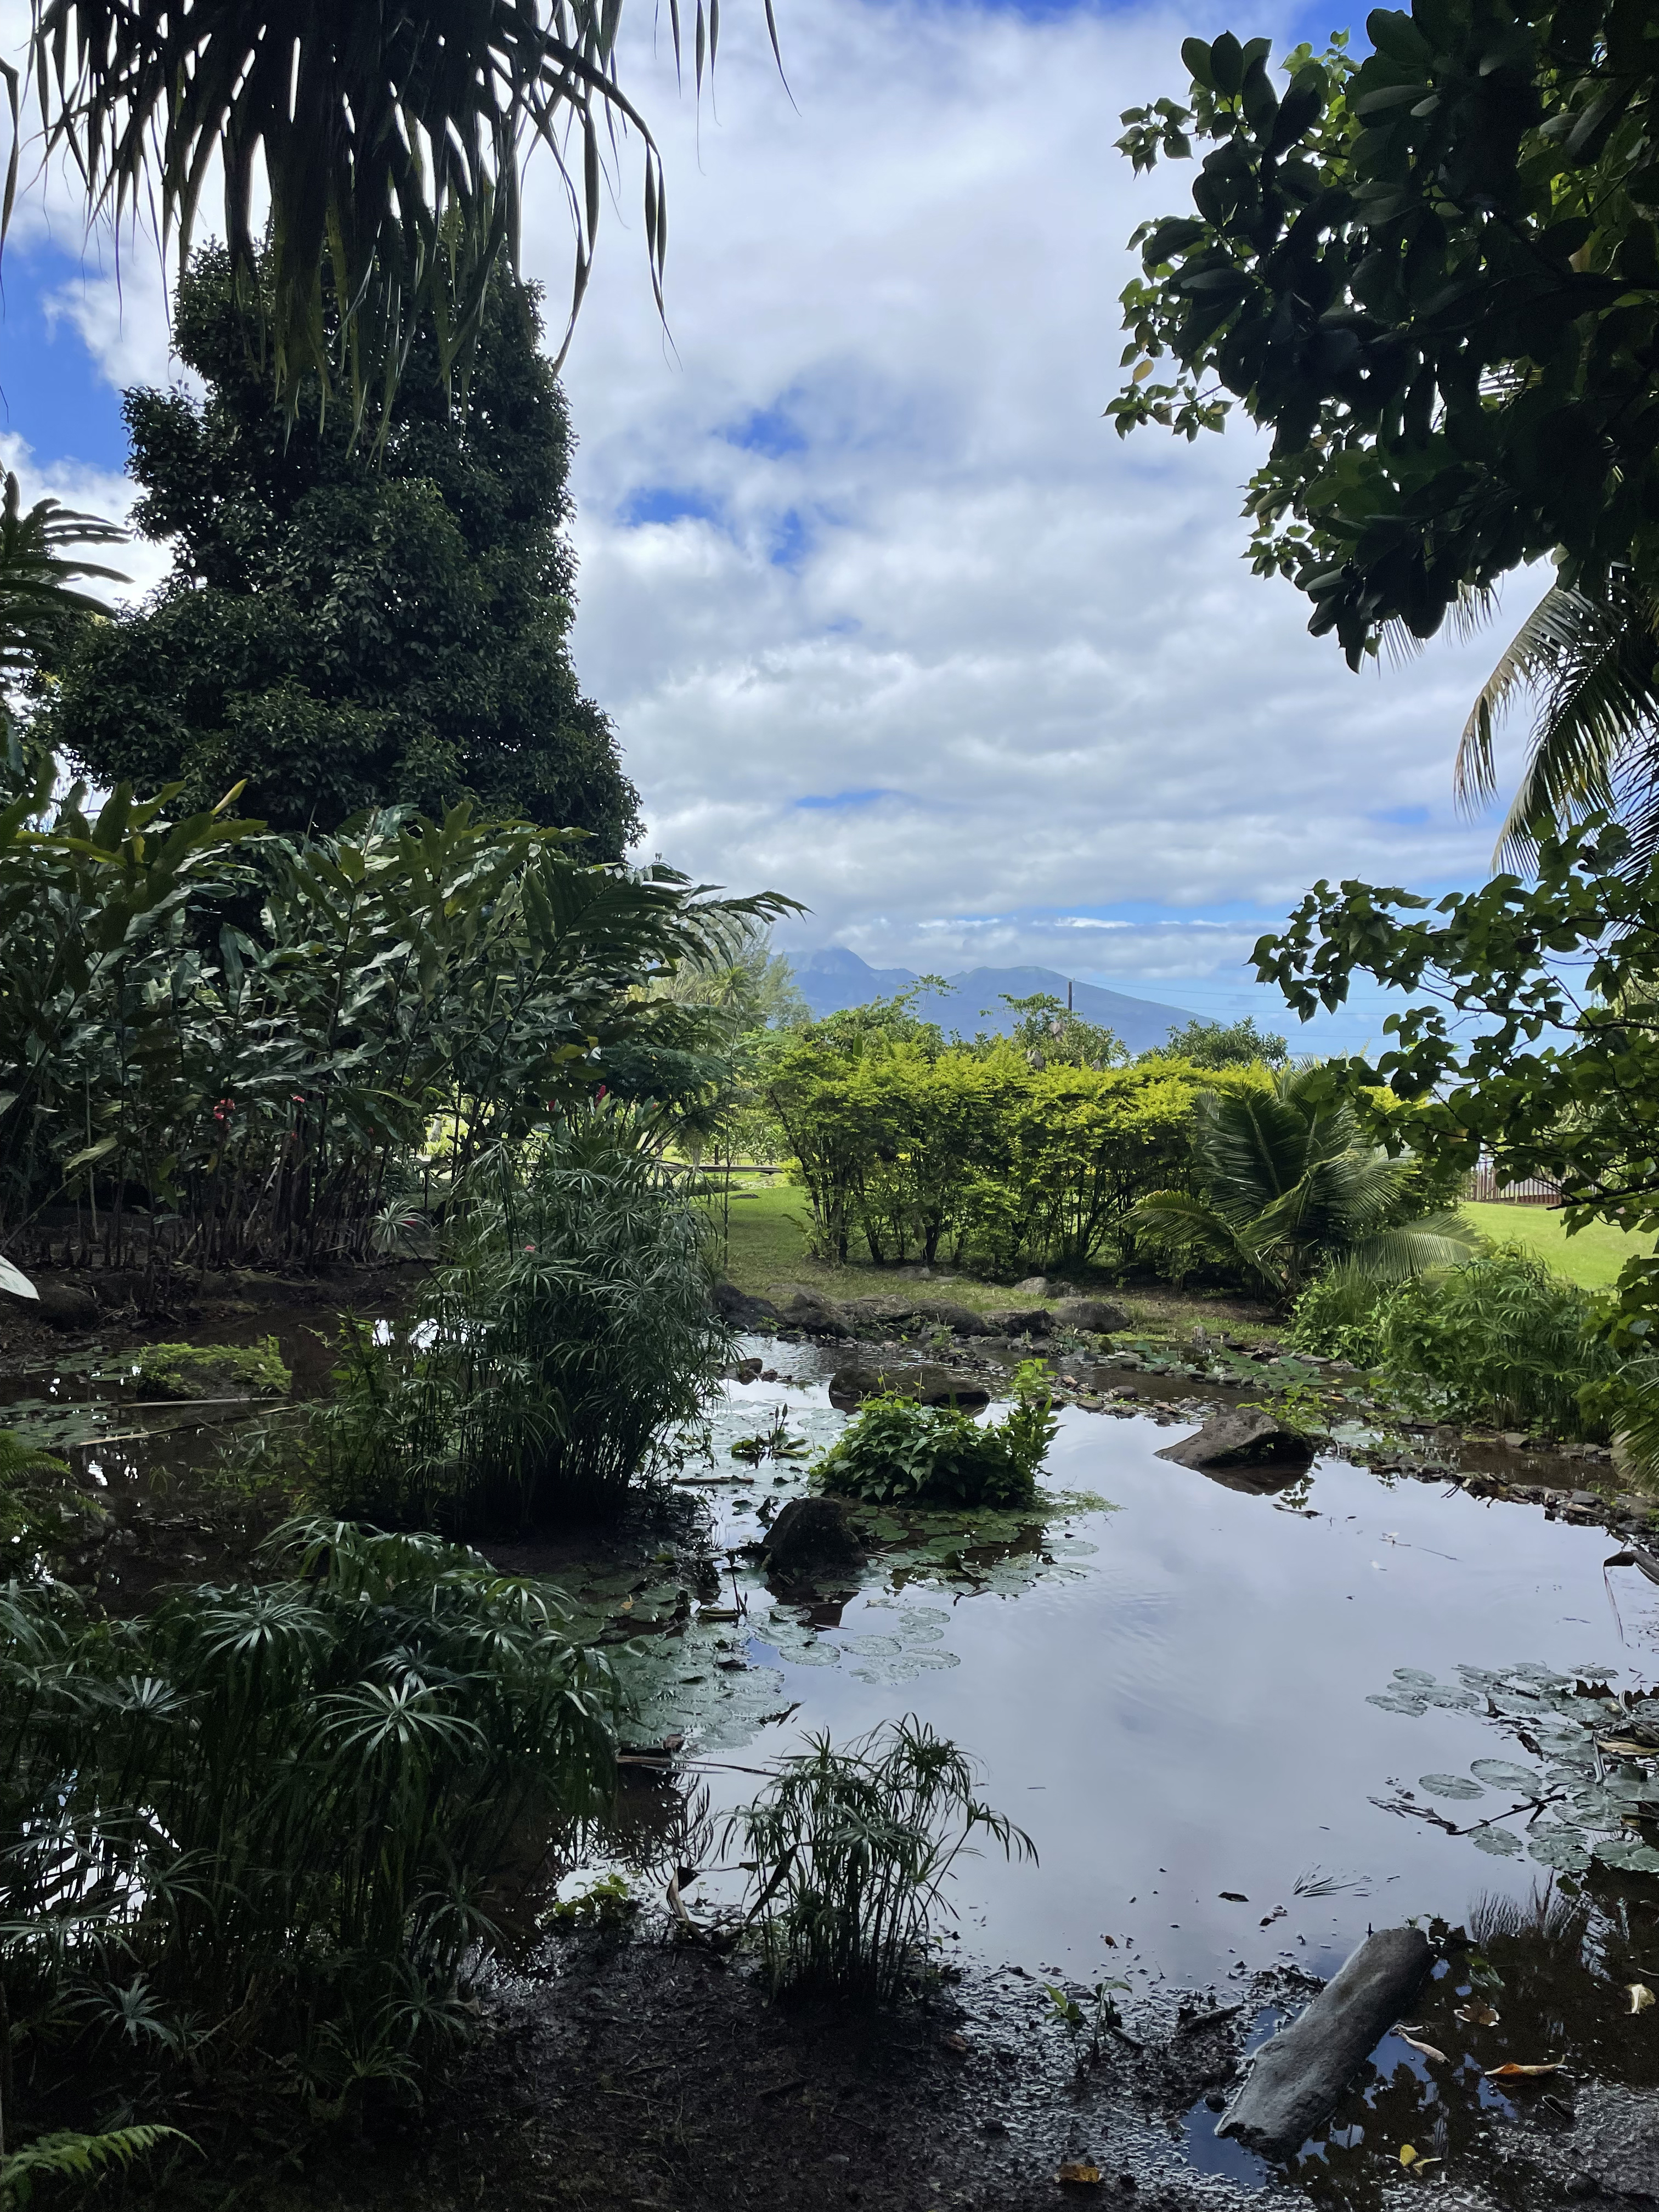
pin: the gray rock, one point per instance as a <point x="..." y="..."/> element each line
<point x="1297" y="2076"/>
<point x="961" y="1321"/>
<point x="1241" y="1438"/>
<point x="743" y="1311"/>
<point x="928" y="1383"/>
<point x="1019" y="1320"/>
<point x="1033" y="1287"/>
<point x="1613" y="2147"/>
<point x="1094" y="1316"/>
<point x="811" y="1535"/>
<point x="810" y="1310"/>
<point x="883" y="1310"/>
<point x="65" y="1305"/>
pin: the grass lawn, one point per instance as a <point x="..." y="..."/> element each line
<point x="766" y="1246"/>
<point x="1593" y="1257"/>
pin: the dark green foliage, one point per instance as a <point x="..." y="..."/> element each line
<point x="263" y="1833"/>
<point x="899" y="1453"/>
<point x="543" y="1365"/>
<point x="1435" y="278"/>
<point x="210" y="1370"/>
<point x="1225" y="1044"/>
<point x="345" y="634"/>
<point x="1051" y="1035"/>
<point x="1289" y="1182"/>
<point x="851" y="1850"/>
<point x="1500" y="1339"/>
<point x="225" y="1046"/>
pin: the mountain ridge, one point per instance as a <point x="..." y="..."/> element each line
<point x="833" y="978"/>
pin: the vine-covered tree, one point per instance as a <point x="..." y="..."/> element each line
<point x="346" y="631"/>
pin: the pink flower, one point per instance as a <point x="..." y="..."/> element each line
<point x="529" y="1248"/>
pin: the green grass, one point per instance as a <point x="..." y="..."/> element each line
<point x="767" y="1246"/>
<point x="1592" y="1258"/>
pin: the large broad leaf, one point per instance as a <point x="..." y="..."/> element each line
<point x="1629" y="1854"/>
<point x="14" y="1279"/>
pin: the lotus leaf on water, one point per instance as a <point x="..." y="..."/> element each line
<point x="1449" y="1785"/>
<point x="1628" y="1853"/>
<point x="1497" y="1841"/>
<point x="1564" y="1849"/>
<point x="1503" y="1775"/>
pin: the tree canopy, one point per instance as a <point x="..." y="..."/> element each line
<point x="1434" y="277"/>
<point x="345" y="634"/>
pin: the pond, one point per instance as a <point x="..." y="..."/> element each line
<point x="1213" y="1709"/>
<point x="1238" y="1723"/>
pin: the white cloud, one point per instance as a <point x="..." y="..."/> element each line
<point x="90" y="491"/>
<point x="1026" y="662"/>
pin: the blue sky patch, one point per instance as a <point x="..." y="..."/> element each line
<point x="837" y="799"/>
<point x="769" y="430"/>
<point x="667" y="503"/>
<point x="51" y="391"/>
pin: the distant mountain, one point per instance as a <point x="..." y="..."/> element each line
<point x="835" y="978"/>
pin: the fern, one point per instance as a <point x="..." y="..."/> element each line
<point x="71" y="2153"/>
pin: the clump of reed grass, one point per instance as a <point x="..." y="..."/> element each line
<point x="264" y="1832"/>
<point x="849" y="1852"/>
<point x="572" y="1329"/>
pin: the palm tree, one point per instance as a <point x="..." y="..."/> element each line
<point x="39" y="573"/>
<point x="386" y="137"/>
<point x="1591" y="660"/>
<point x="1290" y="1186"/>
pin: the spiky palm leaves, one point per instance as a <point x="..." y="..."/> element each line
<point x="386" y="138"/>
<point x="41" y="569"/>
<point x="265" y="1828"/>
<point x="1591" y="661"/>
<point x="1290" y="1185"/>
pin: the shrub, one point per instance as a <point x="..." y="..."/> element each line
<point x="1340" y="1316"/>
<point x="264" y="1832"/>
<point x="1500" y="1339"/>
<point x="899" y="1453"/>
<point x="850" y="1850"/>
<point x="546" y="1361"/>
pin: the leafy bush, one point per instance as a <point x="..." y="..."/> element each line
<point x="1500" y="1339"/>
<point x="1340" y="1316"/>
<point x="900" y="1453"/>
<point x="850" y="1850"/>
<point x="545" y="1363"/>
<point x="265" y="1830"/>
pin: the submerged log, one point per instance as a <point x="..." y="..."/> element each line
<point x="1296" y="2079"/>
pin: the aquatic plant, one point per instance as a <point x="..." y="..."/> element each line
<point x="1501" y="1338"/>
<point x="849" y="1852"/>
<point x="900" y="1453"/>
<point x="265" y="1832"/>
<point x="206" y="1370"/>
<point x="548" y="1360"/>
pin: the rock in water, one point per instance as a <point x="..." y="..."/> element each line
<point x="743" y="1311"/>
<point x="928" y="1384"/>
<point x="811" y="1310"/>
<point x="1296" y="2078"/>
<point x="1019" y="1321"/>
<point x="811" y="1535"/>
<point x="1094" y="1316"/>
<point x="1243" y="1436"/>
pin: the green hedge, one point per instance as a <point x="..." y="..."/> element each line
<point x="917" y="1152"/>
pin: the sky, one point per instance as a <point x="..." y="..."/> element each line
<point x="885" y="614"/>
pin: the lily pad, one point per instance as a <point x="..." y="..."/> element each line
<point x="1499" y="1843"/>
<point x="1564" y="1849"/>
<point x="1503" y="1775"/>
<point x="1449" y="1785"/>
<point x="1416" y="1706"/>
<point x="1415" y="1678"/>
<point x="1629" y="1854"/>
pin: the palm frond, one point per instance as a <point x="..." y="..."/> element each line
<point x="39" y="569"/>
<point x="1592" y="663"/>
<point x="387" y="139"/>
